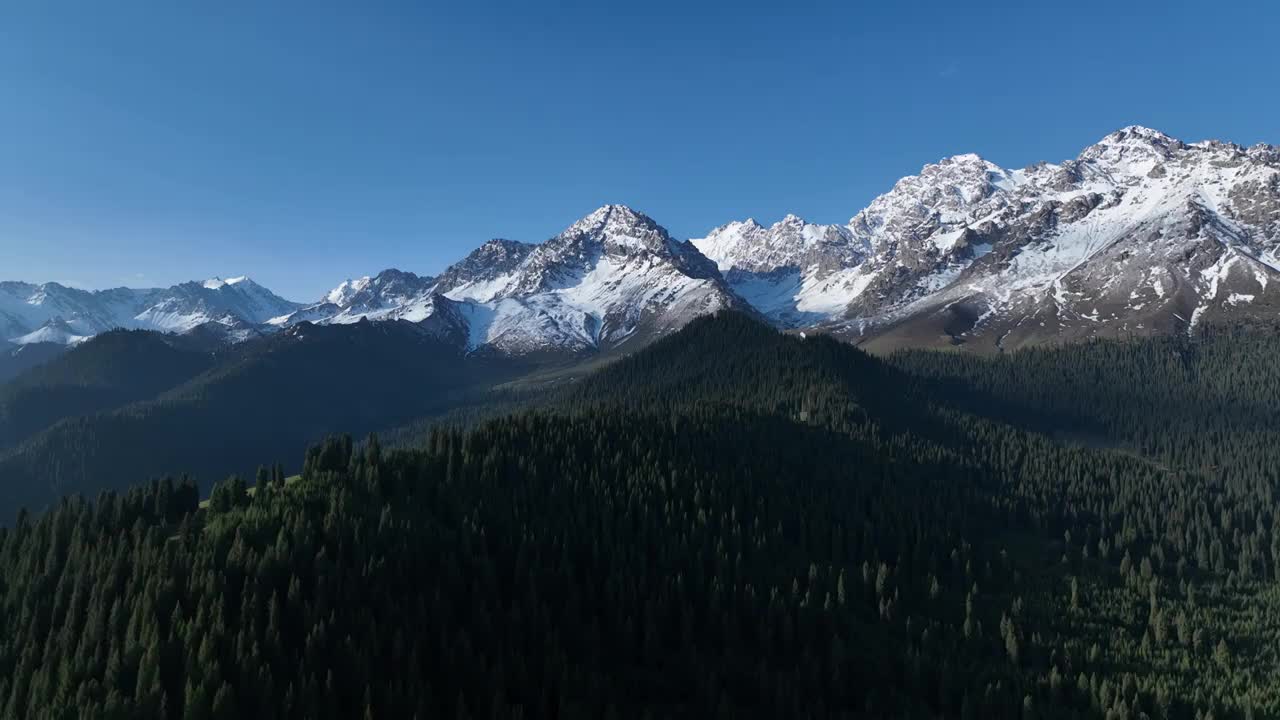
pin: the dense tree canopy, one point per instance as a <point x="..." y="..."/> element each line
<point x="730" y="523"/>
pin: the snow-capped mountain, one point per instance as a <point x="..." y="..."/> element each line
<point x="57" y="331"/>
<point x="55" y="313"/>
<point x="183" y="307"/>
<point x="1141" y="233"/>
<point x="794" y="272"/>
<point x="397" y="295"/>
<point x="611" y="276"/>
<point x="484" y="274"/>
<point x="390" y="295"/>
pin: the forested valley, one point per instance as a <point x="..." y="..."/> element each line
<point x="729" y="523"/>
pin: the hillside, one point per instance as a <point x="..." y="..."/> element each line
<point x="106" y="372"/>
<point x="672" y="536"/>
<point x="267" y="399"/>
<point x="17" y="359"/>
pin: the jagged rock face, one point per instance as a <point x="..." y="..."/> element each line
<point x="482" y="275"/>
<point x="793" y="272"/>
<point x="615" y="234"/>
<point x="920" y="231"/>
<point x="613" y="276"/>
<point x="792" y="243"/>
<point x="25" y="307"/>
<point x="801" y="274"/>
<point x="1140" y="234"/>
<point x="389" y="295"/>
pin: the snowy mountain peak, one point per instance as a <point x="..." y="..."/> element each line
<point x="750" y="247"/>
<point x="57" y="331"/>
<point x="342" y="294"/>
<point x="617" y="228"/>
<point x="1140" y="133"/>
<point x="67" y="314"/>
<point x="963" y="159"/>
<point x="781" y="270"/>
<point x="736" y="227"/>
<point x="970" y="167"/>
<point x="1134" y="150"/>
<point x="604" y="214"/>
<point x="944" y="196"/>
<point x="390" y="295"/>
<point x="985" y="248"/>
<point x="485" y="273"/>
<point x="607" y="278"/>
<point x="616" y="232"/>
<point x="497" y="252"/>
<point x="1139" y="233"/>
<point x="217" y="283"/>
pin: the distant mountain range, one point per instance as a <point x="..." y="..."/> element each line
<point x="53" y="313"/>
<point x="1141" y="234"/>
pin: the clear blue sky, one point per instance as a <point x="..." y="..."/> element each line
<point x="145" y="144"/>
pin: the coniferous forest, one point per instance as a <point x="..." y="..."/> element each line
<point x="728" y="523"/>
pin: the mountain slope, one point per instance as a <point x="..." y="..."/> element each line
<point x="794" y="272"/>
<point x="390" y="295"/>
<point x="16" y="359"/>
<point x="612" y="277"/>
<point x="266" y="397"/>
<point x="186" y="306"/>
<point x="1141" y="234"/>
<point x="105" y="372"/>
<point x="485" y="273"/>
<point x="25" y="307"/>
<point x="673" y="541"/>
<point x="56" y="331"/>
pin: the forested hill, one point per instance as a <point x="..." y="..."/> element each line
<point x="690" y="533"/>
<point x="107" y="371"/>
<point x="110" y="416"/>
<point x="731" y="359"/>
<point x="17" y="359"/>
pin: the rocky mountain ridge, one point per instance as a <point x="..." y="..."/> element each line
<point x="1141" y="233"/>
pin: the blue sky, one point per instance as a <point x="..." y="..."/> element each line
<point x="144" y="144"/>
